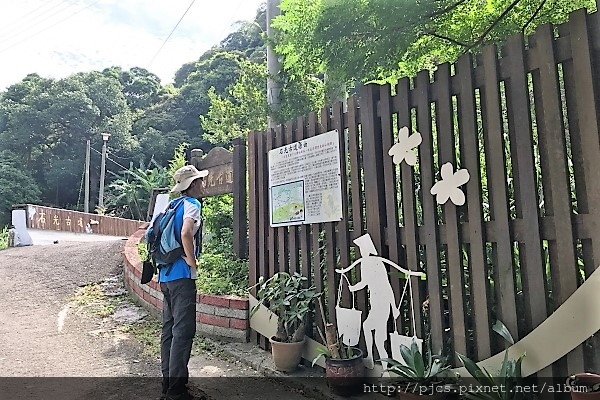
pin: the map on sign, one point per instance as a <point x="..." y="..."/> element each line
<point x="287" y="202"/>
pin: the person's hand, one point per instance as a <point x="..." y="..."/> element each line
<point x="191" y="261"/>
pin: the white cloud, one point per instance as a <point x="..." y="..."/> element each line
<point x="56" y="38"/>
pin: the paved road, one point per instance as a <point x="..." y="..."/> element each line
<point x="43" y="339"/>
<point x="43" y="237"/>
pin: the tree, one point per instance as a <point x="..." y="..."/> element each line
<point x="17" y="186"/>
<point x="371" y="40"/>
<point x="46" y="124"/>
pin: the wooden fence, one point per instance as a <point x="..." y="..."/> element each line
<point x="58" y="219"/>
<point x="524" y="121"/>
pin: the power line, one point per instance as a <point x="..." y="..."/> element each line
<point x="33" y="23"/>
<point x="168" y="37"/>
<point x="51" y="26"/>
<point x="110" y="159"/>
<point x="18" y="20"/>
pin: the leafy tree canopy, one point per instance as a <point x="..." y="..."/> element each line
<point x="369" y="40"/>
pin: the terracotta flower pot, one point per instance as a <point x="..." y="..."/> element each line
<point x="346" y="377"/>
<point x="286" y="356"/>
<point x="584" y="386"/>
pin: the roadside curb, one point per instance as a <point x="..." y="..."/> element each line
<point x="260" y="360"/>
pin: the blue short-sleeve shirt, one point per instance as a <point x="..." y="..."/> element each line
<point x="190" y="208"/>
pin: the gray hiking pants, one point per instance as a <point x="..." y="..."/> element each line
<point x="178" y="330"/>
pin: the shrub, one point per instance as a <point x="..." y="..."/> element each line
<point x="3" y="238"/>
<point x="222" y="274"/>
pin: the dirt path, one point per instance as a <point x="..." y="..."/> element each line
<point x="44" y="335"/>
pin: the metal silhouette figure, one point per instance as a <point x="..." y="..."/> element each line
<point x="374" y="275"/>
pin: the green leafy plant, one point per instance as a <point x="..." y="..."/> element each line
<point x="500" y="386"/>
<point x="334" y="348"/>
<point x="286" y="296"/>
<point x="4" y="238"/>
<point x="419" y="370"/>
<point x="345" y="352"/>
<point x="222" y="274"/>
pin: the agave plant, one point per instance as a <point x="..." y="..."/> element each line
<point x="502" y="385"/>
<point x="419" y="369"/>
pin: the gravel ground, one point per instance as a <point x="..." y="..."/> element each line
<point x="52" y="348"/>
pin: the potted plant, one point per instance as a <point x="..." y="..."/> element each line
<point x="344" y="366"/>
<point x="503" y="385"/>
<point x="286" y="296"/>
<point x="421" y="373"/>
<point x="584" y="386"/>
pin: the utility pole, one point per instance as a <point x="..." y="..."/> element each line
<point x="86" y="203"/>
<point x="105" y="137"/>
<point x="273" y="86"/>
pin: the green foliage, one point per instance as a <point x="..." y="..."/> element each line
<point x="179" y="160"/>
<point x="243" y="110"/>
<point x="245" y="107"/>
<point x="470" y="25"/>
<point x="17" y="186"/>
<point x="346" y="352"/>
<point x="286" y="296"/>
<point x="129" y="194"/>
<point x="4" y="238"/>
<point x="220" y="274"/>
<point x="418" y="369"/>
<point x="219" y="271"/>
<point x="502" y="385"/>
<point x="358" y="41"/>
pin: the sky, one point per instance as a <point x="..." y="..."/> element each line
<point x="57" y="38"/>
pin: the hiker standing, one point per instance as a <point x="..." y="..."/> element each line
<point x="178" y="285"/>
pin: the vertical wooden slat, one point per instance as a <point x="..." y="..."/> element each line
<point x="240" y="224"/>
<point x="265" y="249"/>
<point x="282" y="231"/>
<point x="330" y="235"/>
<point x="587" y="114"/>
<point x="454" y="267"/>
<point x="430" y="239"/>
<point x="273" y="261"/>
<point x="467" y="123"/>
<point x="526" y="197"/>
<point x="372" y="145"/>
<point x="389" y="179"/>
<point x="304" y="237"/>
<point x="315" y="231"/>
<point x="504" y="284"/>
<point x="356" y="191"/>
<point x="555" y="179"/>
<point x="343" y="234"/>
<point x="290" y="137"/>
<point x="577" y="156"/>
<point x="253" y="206"/>
<point x="409" y="210"/>
<point x="254" y="232"/>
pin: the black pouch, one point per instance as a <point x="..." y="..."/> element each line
<point x="147" y="272"/>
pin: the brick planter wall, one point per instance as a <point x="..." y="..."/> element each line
<point x="218" y="316"/>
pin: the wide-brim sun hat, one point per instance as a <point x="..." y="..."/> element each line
<point x="184" y="177"/>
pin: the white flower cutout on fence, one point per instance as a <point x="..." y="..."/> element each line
<point x="448" y="187"/>
<point x="404" y="149"/>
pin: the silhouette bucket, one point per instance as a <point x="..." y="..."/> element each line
<point x="348" y="324"/>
